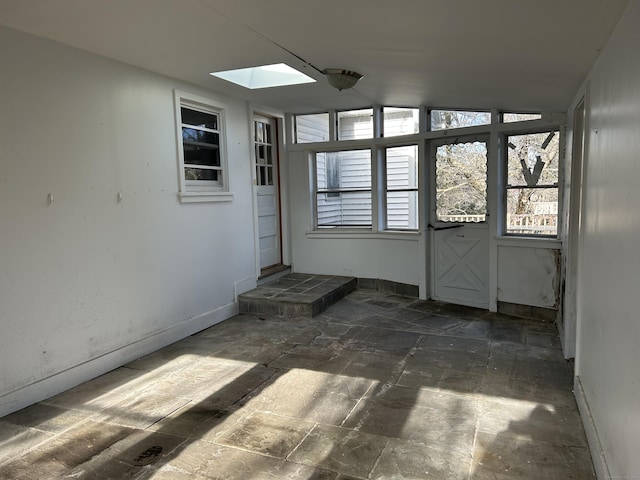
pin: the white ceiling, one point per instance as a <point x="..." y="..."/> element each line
<point x="510" y="54"/>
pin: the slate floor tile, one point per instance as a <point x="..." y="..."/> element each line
<point x="538" y="422"/>
<point x="141" y="411"/>
<point x="312" y="396"/>
<point x="349" y="311"/>
<point x="15" y="440"/>
<point x="82" y="449"/>
<point x="529" y="364"/>
<point x="47" y="418"/>
<point x="340" y="450"/>
<point x="380" y="367"/>
<point x="203" y="460"/>
<point x="443" y="379"/>
<point x="266" y="434"/>
<point x="507" y="458"/>
<point x="329" y="360"/>
<point x="402" y="459"/>
<point x="100" y="392"/>
<point x="442" y="418"/>
<point x="194" y="420"/>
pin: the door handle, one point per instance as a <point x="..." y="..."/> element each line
<point x="448" y="227"/>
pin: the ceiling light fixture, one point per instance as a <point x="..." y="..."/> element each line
<point x="341" y="79"/>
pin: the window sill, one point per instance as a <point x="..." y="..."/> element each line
<point x="368" y="234"/>
<point x="529" y="242"/>
<point x="202" y="197"/>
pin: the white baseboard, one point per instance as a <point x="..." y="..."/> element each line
<point x="597" y="453"/>
<point x="242" y="286"/>
<point x="77" y="374"/>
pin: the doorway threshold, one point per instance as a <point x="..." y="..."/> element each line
<point x="273" y="272"/>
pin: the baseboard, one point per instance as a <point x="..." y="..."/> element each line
<point x="597" y="453"/>
<point x="404" y="289"/>
<point x="77" y="374"/>
<point x="243" y="286"/>
<point x="542" y="314"/>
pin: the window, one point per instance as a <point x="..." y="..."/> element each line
<point x="312" y="128"/>
<point x="400" y="121"/>
<point x="446" y="119"/>
<point x="200" y="149"/>
<point x="263" y="142"/>
<point x="353" y="124"/>
<point x="461" y="182"/>
<point x="519" y="117"/>
<point x="532" y="183"/>
<point x="343" y="188"/>
<point x="401" y="167"/>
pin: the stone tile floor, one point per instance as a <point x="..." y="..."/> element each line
<point x="378" y="387"/>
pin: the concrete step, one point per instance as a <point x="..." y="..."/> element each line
<point x="296" y="295"/>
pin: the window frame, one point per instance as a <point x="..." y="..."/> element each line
<point x="386" y="189"/>
<point x="190" y="191"/>
<point x="336" y="192"/>
<point x="506" y="187"/>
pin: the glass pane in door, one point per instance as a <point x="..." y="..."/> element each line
<point x="461" y="182"/>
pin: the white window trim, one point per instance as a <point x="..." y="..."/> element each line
<point x="206" y="191"/>
<point x="503" y="187"/>
<point x="316" y="191"/>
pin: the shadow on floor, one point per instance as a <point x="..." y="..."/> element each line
<point x="379" y="386"/>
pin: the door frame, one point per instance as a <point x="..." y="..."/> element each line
<point x="573" y="224"/>
<point x="434" y="225"/>
<point x="281" y="178"/>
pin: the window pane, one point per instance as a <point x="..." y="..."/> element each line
<point x="532" y="211"/>
<point x="349" y="169"/>
<point x="402" y="167"/>
<point x="402" y="210"/>
<point x="400" y="121"/>
<point x="259" y="134"/>
<point x="200" y="174"/>
<point x="193" y="135"/>
<point x="355" y="124"/>
<point x="461" y="182"/>
<point x="532" y="159"/>
<point x="341" y="173"/>
<point x="312" y="128"/>
<point x="201" y="155"/>
<point x="344" y="209"/>
<point x="446" y="119"/>
<point x="200" y="119"/>
<point x="519" y="117"/>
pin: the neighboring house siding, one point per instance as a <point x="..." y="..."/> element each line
<point x="355" y="208"/>
<point x="310" y="128"/>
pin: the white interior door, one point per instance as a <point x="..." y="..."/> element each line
<point x="266" y="154"/>
<point x="459" y="228"/>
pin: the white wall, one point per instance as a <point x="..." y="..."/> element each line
<point x="528" y="275"/>
<point x="394" y="257"/>
<point x="608" y="343"/>
<point x="88" y="277"/>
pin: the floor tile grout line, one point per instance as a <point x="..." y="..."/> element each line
<point x="288" y="455"/>
<point x="377" y="461"/>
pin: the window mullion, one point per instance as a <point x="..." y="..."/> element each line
<point x="378" y="194"/>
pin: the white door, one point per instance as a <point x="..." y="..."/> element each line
<point x="458" y="221"/>
<point x="266" y="154"/>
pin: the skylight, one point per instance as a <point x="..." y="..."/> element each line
<point x="265" y="76"/>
